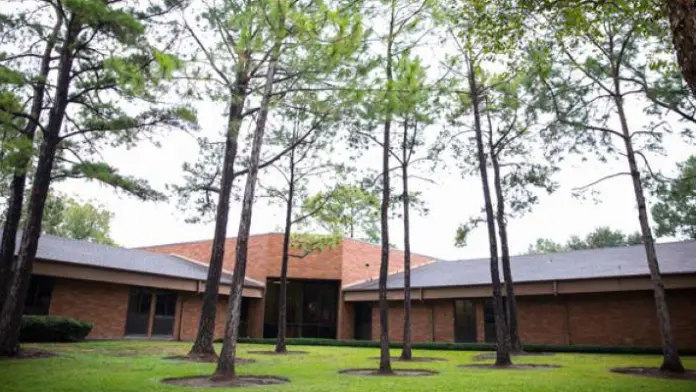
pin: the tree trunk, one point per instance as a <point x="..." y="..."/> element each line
<point x="225" y="366"/>
<point x="406" y="353"/>
<point x="11" y="314"/>
<point x="502" y="337"/>
<point x="671" y="361"/>
<point x="203" y="345"/>
<point x="19" y="179"/>
<point x="682" y="22"/>
<point x="283" y="294"/>
<point x="384" y="359"/>
<point x="515" y="343"/>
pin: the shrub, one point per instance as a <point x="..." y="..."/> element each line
<point x="469" y="346"/>
<point x="53" y="329"/>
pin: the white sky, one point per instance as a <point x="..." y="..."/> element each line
<point x="451" y="201"/>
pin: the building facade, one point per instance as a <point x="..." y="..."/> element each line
<point x="593" y="297"/>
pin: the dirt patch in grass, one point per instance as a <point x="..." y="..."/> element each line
<point x="489" y="356"/>
<point x="517" y="366"/>
<point x="271" y="352"/>
<point x="395" y="372"/>
<point x="656" y="373"/>
<point x="233" y="382"/>
<point x="413" y="359"/>
<point x="29" y="353"/>
<point x="204" y="359"/>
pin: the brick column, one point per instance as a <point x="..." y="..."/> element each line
<point x="480" y="323"/>
<point x="256" y="310"/>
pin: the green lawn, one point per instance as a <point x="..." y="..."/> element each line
<point x="138" y="366"/>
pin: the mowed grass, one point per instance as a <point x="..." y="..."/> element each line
<point x="138" y="366"/>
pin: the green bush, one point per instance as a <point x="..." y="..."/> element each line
<point x="470" y="346"/>
<point x="53" y="329"/>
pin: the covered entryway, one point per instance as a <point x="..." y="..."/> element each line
<point x="151" y="312"/>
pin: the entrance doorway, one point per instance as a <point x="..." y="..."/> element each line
<point x="363" y="321"/>
<point x="312" y="308"/>
<point x="150" y="312"/>
<point x="464" y="321"/>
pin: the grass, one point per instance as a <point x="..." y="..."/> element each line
<point x="138" y="366"/>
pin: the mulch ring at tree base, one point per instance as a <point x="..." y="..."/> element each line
<point x="30" y="353"/>
<point x="271" y="352"/>
<point x="234" y="382"/>
<point x="656" y="372"/>
<point x="395" y="372"/>
<point x="489" y="356"/>
<point x="516" y="366"/>
<point x="206" y="359"/>
<point x="413" y="359"/>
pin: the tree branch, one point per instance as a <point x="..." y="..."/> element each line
<point x="601" y="180"/>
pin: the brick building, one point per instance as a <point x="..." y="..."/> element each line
<point x="594" y="297"/>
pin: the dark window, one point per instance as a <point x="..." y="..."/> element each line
<point x="138" y="317"/>
<point x="165" y="309"/>
<point x="140" y="312"/>
<point x="244" y="319"/>
<point x="363" y="321"/>
<point x="312" y="308"/>
<point x="464" y="321"/>
<point x="489" y="319"/>
<point x="38" y="299"/>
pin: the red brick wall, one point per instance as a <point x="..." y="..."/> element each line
<point x="256" y="309"/>
<point x="480" y="322"/>
<point x="607" y="319"/>
<point x="191" y="310"/>
<point x="344" y="262"/>
<point x="361" y="261"/>
<point x="541" y="320"/>
<point x="444" y="320"/>
<point x="682" y="310"/>
<point x="103" y="304"/>
<point x="630" y="319"/>
<point x="346" y="320"/>
<point x="264" y="258"/>
<point x="422" y="316"/>
<point x="317" y="265"/>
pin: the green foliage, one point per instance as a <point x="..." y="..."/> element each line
<point x="675" y="210"/>
<point x="446" y="346"/>
<point x="69" y="218"/>
<point x="545" y="245"/>
<point x="600" y="237"/>
<point x="53" y="329"/>
<point x="106" y="174"/>
<point x="348" y="211"/>
<point x="303" y="244"/>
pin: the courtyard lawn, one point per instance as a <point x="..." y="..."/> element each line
<point x="138" y="366"/>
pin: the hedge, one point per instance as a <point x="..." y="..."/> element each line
<point x="470" y="346"/>
<point x="53" y="329"/>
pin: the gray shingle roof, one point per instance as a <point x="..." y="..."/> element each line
<point x="674" y="258"/>
<point x="97" y="255"/>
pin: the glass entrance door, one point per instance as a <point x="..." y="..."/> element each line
<point x="138" y="317"/>
<point x="144" y="319"/>
<point x="165" y="309"/>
